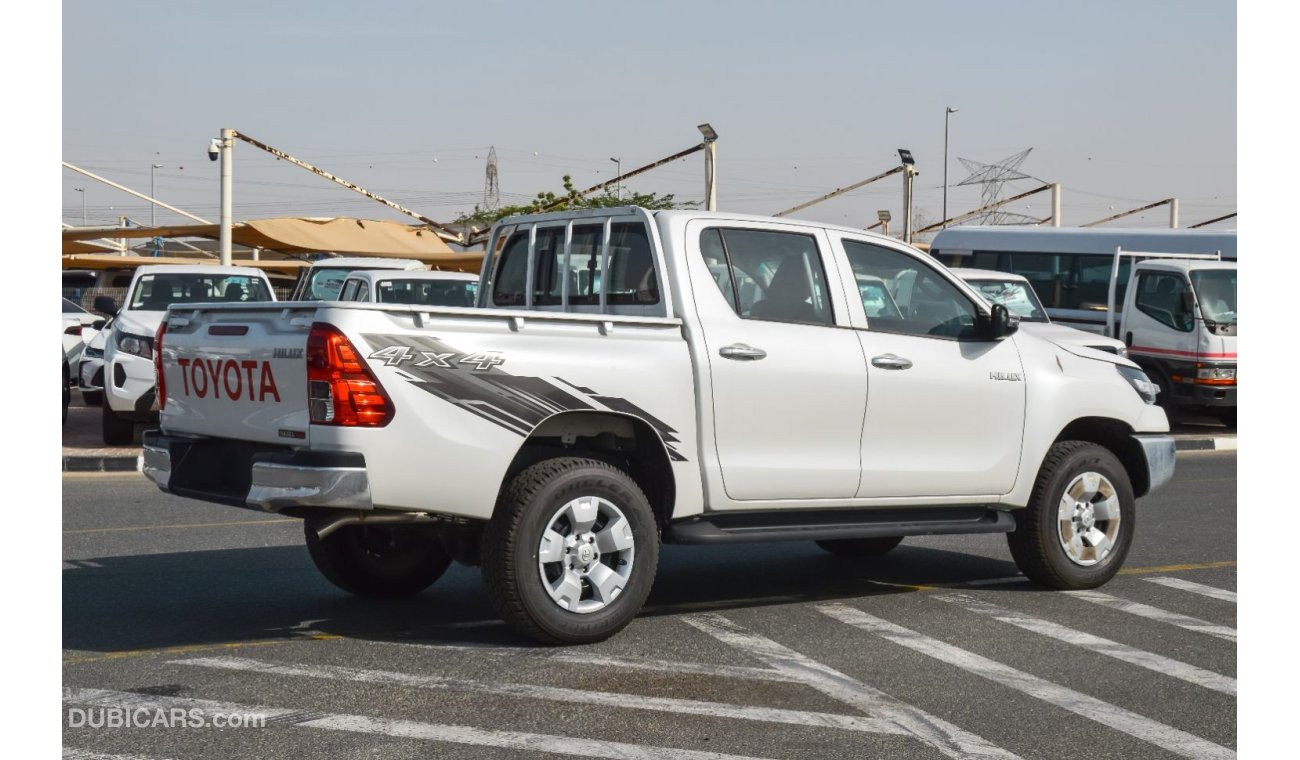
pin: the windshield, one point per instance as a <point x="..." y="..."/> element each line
<point x="71" y="308"/>
<point x="1017" y="296"/>
<point x="324" y="283"/>
<point x="157" y="292"/>
<point x="1216" y="291"/>
<point x="428" y="292"/>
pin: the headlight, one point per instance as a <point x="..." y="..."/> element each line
<point x="138" y="345"/>
<point x="92" y="353"/>
<point x="1216" y="373"/>
<point x="1140" y="382"/>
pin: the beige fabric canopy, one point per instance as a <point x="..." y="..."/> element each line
<point x="346" y="236"/>
<point x="113" y="261"/>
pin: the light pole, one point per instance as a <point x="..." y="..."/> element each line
<point x="947" y="111"/>
<point x="618" y="185"/>
<point x="909" y="175"/>
<point x="82" y="190"/>
<point x="710" y="167"/>
<point x="153" y="207"/>
<point x="884" y="216"/>
<point x="223" y="148"/>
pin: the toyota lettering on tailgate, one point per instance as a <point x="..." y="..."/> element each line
<point x="244" y="379"/>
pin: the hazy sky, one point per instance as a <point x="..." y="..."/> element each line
<point x="1122" y="102"/>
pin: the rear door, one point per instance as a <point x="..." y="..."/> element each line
<point x="788" y="378"/>
<point x="945" y="408"/>
<point x="237" y="372"/>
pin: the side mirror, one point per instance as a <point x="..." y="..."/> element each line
<point x="105" y="305"/>
<point x="98" y="324"/>
<point x="1001" y="322"/>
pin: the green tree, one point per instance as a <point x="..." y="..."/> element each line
<point x="569" y="199"/>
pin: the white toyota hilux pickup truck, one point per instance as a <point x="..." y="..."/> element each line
<point x="630" y="378"/>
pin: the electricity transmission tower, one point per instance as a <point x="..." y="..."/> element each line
<point x="992" y="177"/>
<point x="491" y="190"/>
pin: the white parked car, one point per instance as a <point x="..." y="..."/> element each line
<point x="323" y="280"/>
<point x="128" y="372"/>
<point x="1014" y="292"/>
<point x="418" y="288"/>
<point x="78" y="327"/>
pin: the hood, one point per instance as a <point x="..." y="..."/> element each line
<point x="1079" y="342"/>
<point x="137" y="322"/>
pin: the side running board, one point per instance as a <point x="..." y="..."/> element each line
<point x="824" y="524"/>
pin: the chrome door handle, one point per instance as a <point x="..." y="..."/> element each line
<point x="889" y="361"/>
<point x="741" y="352"/>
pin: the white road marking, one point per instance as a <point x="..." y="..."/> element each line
<point x="1132" y="655"/>
<point x="1108" y="715"/>
<point x="1195" y="588"/>
<point x="72" y="753"/>
<point x="584" y="658"/>
<point x="1155" y="613"/>
<point x="951" y="740"/>
<point x="551" y="694"/>
<point x="431" y="731"/>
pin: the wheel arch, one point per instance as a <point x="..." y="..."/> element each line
<point x="626" y="441"/>
<point x="1116" y="437"/>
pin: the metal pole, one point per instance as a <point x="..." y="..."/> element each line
<point x="908" y="174"/>
<point x="1056" y="204"/>
<point x="884" y="227"/>
<point x="947" y="111"/>
<point x="153" y="209"/>
<point x="618" y="187"/>
<point x="129" y="191"/>
<point x="227" y="201"/>
<point x="710" y="175"/>
<point x="839" y="191"/>
<point x="82" y="190"/>
<point x="1173" y="213"/>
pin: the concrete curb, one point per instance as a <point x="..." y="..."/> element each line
<point x="1206" y="443"/>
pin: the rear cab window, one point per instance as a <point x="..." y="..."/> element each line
<point x="584" y="265"/>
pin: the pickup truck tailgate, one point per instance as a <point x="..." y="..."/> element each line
<point x="239" y="372"/>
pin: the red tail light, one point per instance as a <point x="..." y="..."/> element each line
<point x="159" y="379"/>
<point x="341" y="389"/>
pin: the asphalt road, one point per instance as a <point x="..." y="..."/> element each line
<point x="774" y="651"/>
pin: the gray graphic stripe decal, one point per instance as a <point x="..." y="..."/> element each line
<point x="517" y="403"/>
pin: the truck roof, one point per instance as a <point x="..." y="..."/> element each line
<point x="1185" y="265"/>
<point x="964" y="240"/>
<point x="371" y="262"/>
<point x="390" y="274"/>
<point x="196" y="269"/>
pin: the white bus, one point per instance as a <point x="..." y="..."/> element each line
<point x="1070" y="267"/>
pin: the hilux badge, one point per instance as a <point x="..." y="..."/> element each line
<point x="1012" y="376"/>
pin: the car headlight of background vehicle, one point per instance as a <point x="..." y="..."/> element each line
<point x="1216" y="373"/>
<point x="1140" y="382"/>
<point x="92" y="353"/>
<point x="139" y="345"/>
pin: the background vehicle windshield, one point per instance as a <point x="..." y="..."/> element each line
<point x="427" y="292"/>
<point x="157" y="292"/>
<point x="72" y="308"/>
<point x="1216" y="291"/>
<point x="1013" y="294"/>
<point x="325" y="283"/>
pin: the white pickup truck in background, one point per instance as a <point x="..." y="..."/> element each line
<point x="629" y="378"/>
<point x="1014" y="292"/>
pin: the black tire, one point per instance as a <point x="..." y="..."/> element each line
<point x="92" y="398"/>
<point x="861" y="547"/>
<point x="378" y="561"/>
<point x="1036" y="543"/>
<point x="1228" y="416"/>
<point x="118" y="430"/>
<point x="512" y="541"/>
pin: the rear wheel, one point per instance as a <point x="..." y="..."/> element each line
<point x="861" y="547"/>
<point x="571" y="553"/>
<point x="1077" y="528"/>
<point x="118" y="430"/>
<point x="378" y="561"/>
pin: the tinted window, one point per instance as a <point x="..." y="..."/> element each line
<point x="1061" y="280"/>
<point x="363" y="291"/>
<point x="927" y="303"/>
<point x="425" y="292"/>
<point x="1163" y="297"/>
<point x="349" y="291"/>
<point x="511" y="278"/>
<point x="632" y="277"/>
<point x="585" y="264"/>
<point x="548" y="263"/>
<point x="157" y="292"/>
<point x="773" y="276"/>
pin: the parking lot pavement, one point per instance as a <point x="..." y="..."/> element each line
<point x="937" y="650"/>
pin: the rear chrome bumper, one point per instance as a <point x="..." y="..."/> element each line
<point x="1159" y="453"/>
<point x="261" y="477"/>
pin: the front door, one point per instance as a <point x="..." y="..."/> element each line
<point x="945" y="409"/>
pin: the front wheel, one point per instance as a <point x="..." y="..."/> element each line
<point x="378" y="561"/>
<point x="571" y="553"/>
<point x="1228" y="416"/>
<point x="1078" y="526"/>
